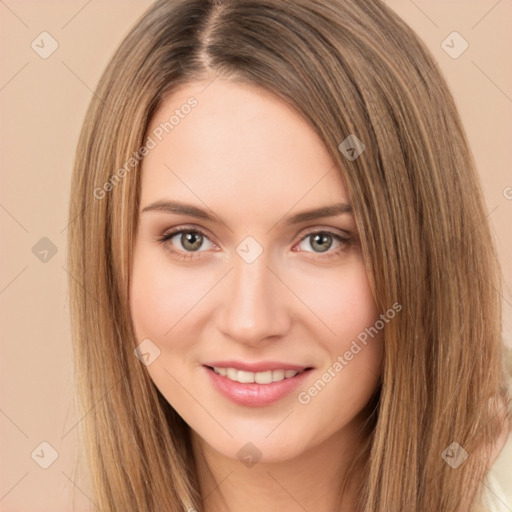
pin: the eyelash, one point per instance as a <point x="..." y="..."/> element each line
<point x="191" y="254"/>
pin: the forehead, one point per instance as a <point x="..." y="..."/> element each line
<point x="237" y="148"/>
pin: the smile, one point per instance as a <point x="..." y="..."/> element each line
<point x="255" y="389"/>
<point x="245" y="377"/>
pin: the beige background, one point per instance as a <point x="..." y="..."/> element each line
<point x="43" y="103"/>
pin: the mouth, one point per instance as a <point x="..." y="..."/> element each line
<point x="256" y="389"/>
<point x="262" y="377"/>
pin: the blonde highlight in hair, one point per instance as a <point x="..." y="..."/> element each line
<point x="349" y="67"/>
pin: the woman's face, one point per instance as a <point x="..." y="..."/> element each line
<point x="249" y="281"/>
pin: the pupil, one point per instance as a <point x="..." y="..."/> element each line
<point x="195" y="239"/>
<point x="323" y="238"/>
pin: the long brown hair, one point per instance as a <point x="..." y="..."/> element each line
<point x="350" y="67"/>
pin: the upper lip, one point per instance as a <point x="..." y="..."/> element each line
<point x="261" y="366"/>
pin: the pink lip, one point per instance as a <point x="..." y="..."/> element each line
<point x="256" y="367"/>
<point x="252" y="394"/>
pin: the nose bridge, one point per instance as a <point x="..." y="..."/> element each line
<point x="254" y="307"/>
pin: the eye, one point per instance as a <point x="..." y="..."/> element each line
<point x="322" y="242"/>
<point x="191" y="240"/>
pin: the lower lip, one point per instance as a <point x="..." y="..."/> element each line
<point x="252" y="394"/>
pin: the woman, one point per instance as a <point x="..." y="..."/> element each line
<point x="224" y="362"/>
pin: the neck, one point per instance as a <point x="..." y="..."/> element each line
<point x="312" y="480"/>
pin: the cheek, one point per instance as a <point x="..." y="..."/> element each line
<point x="349" y="374"/>
<point x="344" y="328"/>
<point x="150" y="298"/>
<point x="342" y="301"/>
<point x="161" y="295"/>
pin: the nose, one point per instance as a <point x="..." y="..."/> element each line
<point x="256" y="303"/>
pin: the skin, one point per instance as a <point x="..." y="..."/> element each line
<point x="249" y="157"/>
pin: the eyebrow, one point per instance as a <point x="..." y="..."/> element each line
<point x="194" y="211"/>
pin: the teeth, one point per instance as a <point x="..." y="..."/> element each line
<point x="259" y="377"/>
